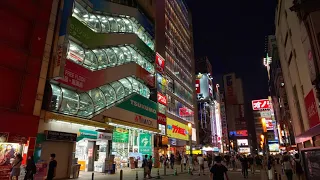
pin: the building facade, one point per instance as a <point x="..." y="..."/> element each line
<point x="298" y="53"/>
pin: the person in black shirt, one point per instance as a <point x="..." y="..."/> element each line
<point x="218" y="171"/>
<point x="244" y="164"/>
<point x="52" y="167"/>
<point x="250" y="160"/>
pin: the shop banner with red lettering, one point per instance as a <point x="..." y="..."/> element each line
<point x="311" y="107"/>
<point x="160" y="63"/>
<point x="162" y="119"/>
<point x="84" y="79"/>
<point x="162" y="99"/>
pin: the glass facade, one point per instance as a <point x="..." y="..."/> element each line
<point x="111" y="24"/>
<point x="87" y="103"/>
<point x="178" y="109"/>
<point x="107" y="57"/>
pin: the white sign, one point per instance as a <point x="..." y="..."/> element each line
<point x="104" y="136"/>
<point x="265" y="114"/>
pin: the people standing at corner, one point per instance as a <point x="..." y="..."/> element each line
<point x="287" y="167"/>
<point x="298" y="167"/>
<point x="52" y="167"/>
<point x="244" y="165"/>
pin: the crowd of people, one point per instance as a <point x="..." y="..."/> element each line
<point x="285" y="164"/>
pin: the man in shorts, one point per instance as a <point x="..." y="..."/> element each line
<point x="201" y="164"/>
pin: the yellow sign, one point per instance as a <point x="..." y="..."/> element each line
<point x="194" y="152"/>
<point x="177" y="130"/>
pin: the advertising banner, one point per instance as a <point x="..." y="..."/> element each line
<point x="260" y="104"/>
<point x="140" y="105"/>
<point x="162" y="98"/>
<point x="120" y="135"/>
<point x="162" y="119"/>
<point x="87" y="134"/>
<point x="311" y="107"/>
<point x="145" y="147"/>
<point x="198" y="89"/>
<point x="185" y="112"/>
<point x="230" y="88"/>
<point x="204" y="87"/>
<point x="177" y="130"/>
<point x="239" y="133"/>
<point x="160" y="63"/>
<point x="60" y="50"/>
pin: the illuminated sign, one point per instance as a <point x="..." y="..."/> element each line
<point x="261" y="104"/>
<point x="229" y="84"/>
<point x="177" y="130"/>
<point x="311" y="107"/>
<point x="159" y="63"/>
<point x="239" y="133"/>
<point x="143" y="120"/>
<point x="162" y="98"/>
<point x="198" y="86"/>
<point x="269" y="124"/>
<point x="185" y="112"/>
<point x="242" y="142"/>
<point x="162" y="119"/>
<point x="204" y="87"/>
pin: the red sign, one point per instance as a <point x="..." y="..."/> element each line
<point x="261" y="104"/>
<point x="198" y="86"/>
<point x="162" y="119"/>
<point x="312" y="111"/>
<point x="242" y="133"/>
<point x="159" y="63"/>
<point x="84" y="79"/>
<point x="179" y="130"/>
<point x="162" y="99"/>
<point x="185" y="112"/>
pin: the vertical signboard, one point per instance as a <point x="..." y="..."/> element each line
<point x="60" y="50"/>
<point x="311" y="107"/>
<point x="145" y="147"/>
<point x="160" y="63"/>
<point x="229" y="85"/>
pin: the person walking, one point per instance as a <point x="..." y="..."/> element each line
<point x="270" y="166"/>
<point x="244" y="165"/>
<point x="200" y="160"/>
<point x="31" y="169"/>
<point x="145" y="165"/>
<point x="258" y="162"/>
<point x="218" y="171"/>
<point x="172" y="161"/>
<point x="184" y="160"/>
<point x="150" y="163"/>
<point x="190" y="163"/>
<point x="297" y="166"/>
<point x="287" y="167"/>
<point x="15" y="168"/>
<point x="233" y="162"/>
<point x="52" y="167"/>
<point x="209" y="160"/>
<point x="251" y="163"/>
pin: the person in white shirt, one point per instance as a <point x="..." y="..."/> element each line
<point x="201" y="164"/>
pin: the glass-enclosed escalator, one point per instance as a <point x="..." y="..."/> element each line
<point x="90" y="103"/>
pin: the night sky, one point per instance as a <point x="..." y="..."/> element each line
<point x="232" y="35"/>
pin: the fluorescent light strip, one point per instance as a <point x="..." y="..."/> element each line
<point x="132" y="128"/>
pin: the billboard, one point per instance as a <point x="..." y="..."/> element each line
<point x="260" y="104"/>
<point x="177" y="130"/>
<point x="239" y="133"/>
<point x="162" y="98"/>
<point x="242" y="142"/>
<point x="160" y="63"/>
<point x="230" y="88"/>
<point x="311" y="107"/>
<point x="204" y="87"/>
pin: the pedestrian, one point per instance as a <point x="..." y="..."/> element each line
<point x="52" y="167"/>
<point x="270" y="164"/>
<point x="172" y="161"/>
<point x="251" y="163"/>
<point x="145" y="166"/>
<point x="244" y="165"/>
<point x="218" y="170"/>
<point x="200" y="160"/>
<point x="287" y="167"/>
<point x="185" y="159"/>
<point x="150" y="163"/>
<point x="31" y="169"/>
<point x="190" y="163"/>
<point x="258" y="162"/>
<point x="209" y="161"/>
<point x="227" y="159"/>
<point x="15" y="167"/>
<point x="298" y="168"/>
<point x="233" y="162"/>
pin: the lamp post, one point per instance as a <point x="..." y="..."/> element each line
<point x="190" y="137"/>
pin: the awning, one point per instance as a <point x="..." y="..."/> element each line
<point x="305" y="136"/>
<point x="116" y="122"/>
<point x="60" y="117"/>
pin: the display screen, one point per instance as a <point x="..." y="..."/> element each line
<point x="242" y="142"/>
<point x="274" y="147"/>
<point x="311" y="159"/>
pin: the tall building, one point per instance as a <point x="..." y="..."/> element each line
<point x="174" y="42"/>
<point x="297" y="54"/>
<point x="25" y="50"/>
<point x="235" y="113"/>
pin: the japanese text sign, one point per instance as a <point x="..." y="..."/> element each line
<point x="177" y="130"/>
<point x="260" y="104"/>
<point x="162" y="99"/>
<point x="159" y="63"/>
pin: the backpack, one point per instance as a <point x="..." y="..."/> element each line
<point x="299" y="168"/>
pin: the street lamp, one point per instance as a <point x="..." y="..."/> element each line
<point x="190" y="137"/>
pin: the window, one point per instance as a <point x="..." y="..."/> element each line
<point x="70" y="102"/>
<point x="56" y="97"/>
<point x="86" y="106"/>
<point x="109" y="93"/>
<point x="98" y="98"/>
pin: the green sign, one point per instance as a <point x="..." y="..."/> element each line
<point x="140" y="105"/>
<point x="145" y="147"/>
<point x="120" y="135"/>
<point x="88" y="134"/>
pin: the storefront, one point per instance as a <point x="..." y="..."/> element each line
<point x="10" y="145"/>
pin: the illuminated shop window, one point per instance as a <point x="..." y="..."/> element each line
<point x="108" y="57"/>
<point x="87" y="103"/>
<point x="86" y="106"/>
<point x="115" y="24"/>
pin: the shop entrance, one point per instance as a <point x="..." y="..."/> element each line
<point x="63" y="151"/>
